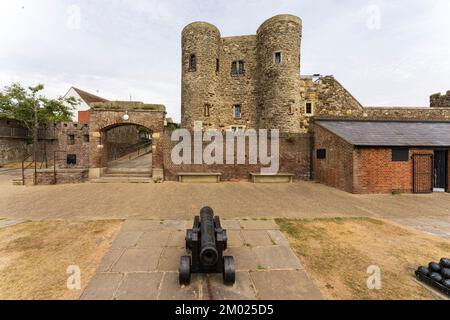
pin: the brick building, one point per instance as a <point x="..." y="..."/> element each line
<point x="382" y="156"/>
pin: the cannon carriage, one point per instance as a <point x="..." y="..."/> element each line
<point x="206" y="241"/>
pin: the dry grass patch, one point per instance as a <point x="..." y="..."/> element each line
<point x="337" y="252"/>
<point x="34" y="256"/>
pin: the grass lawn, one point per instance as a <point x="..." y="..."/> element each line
<point x="34" y="256"/>
<point x="337" y="252"/>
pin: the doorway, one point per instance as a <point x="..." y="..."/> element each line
<point x="440" y="171"/>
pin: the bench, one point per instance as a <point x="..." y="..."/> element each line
<point x="199" y="177"/>
<point x="272" y="178"/>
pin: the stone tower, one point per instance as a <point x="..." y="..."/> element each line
<point x="200" y="46"/>
<point x="258" y="75"/>
<point x="278" y="47"/>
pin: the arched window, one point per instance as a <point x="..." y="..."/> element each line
<point x="192" y="63"/>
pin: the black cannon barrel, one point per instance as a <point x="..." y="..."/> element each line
<point x="208" y="252"/>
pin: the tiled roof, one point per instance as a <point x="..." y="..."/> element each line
<point x="391" y="133"/>
<point x="89" y="97"/>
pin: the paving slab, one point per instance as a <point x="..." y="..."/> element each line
<point x="231" y="224"/>
<point x="175" y="224"/>
<point x="109" y="259"/>
<point x="139" y="286"/>
<point x="259" y="224"/>
<point x="170" y="258"/>
<point x="177" y="239"/>
<point x="277" y="257"/>
<point x="285" y="285"/>
<point x="256" y="238"/>
<point x="154" y="238"/>
<point x="235" y="238"/>
<point x="242" y="290"/>
<point x="244" y="258"/>
<point x="138" y="260"/>
<point x="278" y="237"/>
<point x="102" y="286"/>
<point x="127" y="239"/>
<point x="171" y="290"/>
<point x="140" y="225"/>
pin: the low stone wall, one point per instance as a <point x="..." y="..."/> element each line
<point x="63" y="176"/>
<point x="294" y="158"/>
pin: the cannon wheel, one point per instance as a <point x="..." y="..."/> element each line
<point x="189" y="240"/>
<point x="229" y="274"/>
<point x="185" y="270"/>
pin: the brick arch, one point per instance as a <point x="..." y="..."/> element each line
<point x="105" y="116"/>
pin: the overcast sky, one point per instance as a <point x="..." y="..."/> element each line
<point x="385" y="52"/>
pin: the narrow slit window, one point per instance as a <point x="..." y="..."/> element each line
<point x="192" y="63"/>
<point x="217" y="65"/>
<point x="309" y="108"/>
<point x="207" y="110"/>
<point x="277" y="57"/>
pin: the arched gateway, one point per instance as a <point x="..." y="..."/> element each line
<point x="108" y="116"/>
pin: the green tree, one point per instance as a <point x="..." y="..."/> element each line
<point x="31" y="109"/>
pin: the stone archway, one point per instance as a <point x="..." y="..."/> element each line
<point x="111" y="114"/>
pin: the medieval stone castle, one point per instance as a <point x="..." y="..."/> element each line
<point x="255" y="82"/>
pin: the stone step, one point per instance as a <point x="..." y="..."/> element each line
<point x="17" y="182"/>
<point x="122" y="180"/>
<point x="130" y="174"/>
<point x="128" y="171"/>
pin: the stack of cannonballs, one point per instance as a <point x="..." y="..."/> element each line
<point x="437" y="275"/>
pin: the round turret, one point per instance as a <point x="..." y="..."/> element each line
<point x="279" y="41"/>
<point x="200" y="51"/>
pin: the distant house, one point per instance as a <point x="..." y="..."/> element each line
<point x="81" y="113"/>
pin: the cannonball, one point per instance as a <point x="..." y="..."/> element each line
<point x="445" y="262"/>
<point x="436" y="277"/>
<point x="434" y="267"/>
<point x="445" y="272"/>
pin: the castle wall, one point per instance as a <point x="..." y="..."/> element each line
<point x="440" y="100"/>
<point x="294" y="158"/>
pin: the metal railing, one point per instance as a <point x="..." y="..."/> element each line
<point x="35" y="162"/>
<point x="140" y="148"/>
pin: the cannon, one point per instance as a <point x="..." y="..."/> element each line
<point x="206" y="241"/>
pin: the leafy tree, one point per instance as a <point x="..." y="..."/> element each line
<point x="21" y="104"/>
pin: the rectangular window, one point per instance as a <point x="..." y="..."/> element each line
<point x="192" y="63"/>
<point x="321" y="154"/>
<point x="206" y="110"/>
<point x="86" y="138"/>
<point x="277" y="57"/>
<point x="237" y="111"/>
<point x="400" y="154"/>
<point x="309" y="108"/>
<point x="237" y="68"/>
<point x="71" y="159"/>
<point x="70" y="139"/>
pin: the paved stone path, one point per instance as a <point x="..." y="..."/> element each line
<point x="437" y="226"/>
<point x="143" y="264"/>
<point x="172" y="200"/>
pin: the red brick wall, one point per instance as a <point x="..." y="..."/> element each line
<point x="294" y="158"/>
<point x="337" y="169"/>
<point x="375" y="172"/>
<point x="84" y="117"/>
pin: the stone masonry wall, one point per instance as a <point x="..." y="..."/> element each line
<point x="294" y="158"/>
<point x="440" y="100"/>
